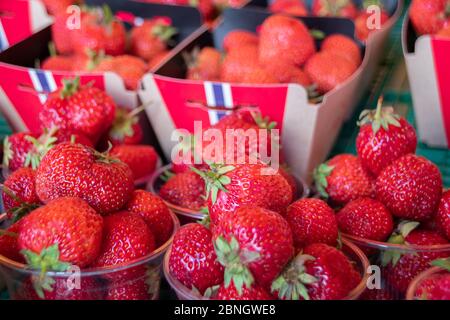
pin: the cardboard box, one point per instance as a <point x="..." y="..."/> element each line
<point x="428" y="65"/>
<point x="23" y="88"/>
<point x="308" y="131"/>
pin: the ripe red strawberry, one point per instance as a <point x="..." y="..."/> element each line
<point x="79" y="108"/>
<point x="436" y="286"/>
<point x="383" y="137"/>
<point x="9" y="247"/>
<point x="187" y="156"/>
<point x="285" y="39"/>
<point x="288" y="74"/>
<point x="443" y="215"/>
<point x="410" y="188"/>
<point x="66" y="230"/>
<point x="343" y="179"/>
<point x="291" y="180"/>
<point x="65" y="136"/>
<point x="231" y="187"/>
<point x="129" y="290"/>
<point x="344" y="46"/>
<point x="255" y="292"/>
<point x="141" y="159"/>
<point x="71" y="169"/>
<point x="401" y="268"/>
<point x="294" y="7"/>
<point x="186" y="189"/>
<point x="361" y="24"/>
<point x="61" y="34"/>
<point x="56" y="7"/>
<point x="238" y="62"/>
<point x="238" y="38"/>
<point x="328" y="70"/>
<point x="193" y="260"/>
<point x="429" y="16"/>
<point x="366" y="218"/>
<point x="253" y="244"/>
<point x="320" y="272"/>
<point x="16" y="148"/>
<point x="155" y="213"/>
<point x="125" y="128"/>
<point x="19" y="193"/>
<point x="334" y="8"/>
<point x="57" y="63"/>
<point x="204" y="64"/>
<point x="150" y="38"/>
<point x="258" y="75"/>
<point x="312" y="221"/>
<point x="206" y="8"/>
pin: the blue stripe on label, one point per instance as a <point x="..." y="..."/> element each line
<point x="43" y="81"/>
<point x="219" y="99"/>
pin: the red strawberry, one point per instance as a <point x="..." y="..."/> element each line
<point x="383" y="137"/>
<point x="291" y="180"/>
<point x="294" y="7"/>
<point x="238" y="62"/>
<point x="155" y="213"/>
<point x="320" y="272"/>
<point x="366" y="218"/>
<point x="130" y="290"/>
<point x="334" y="8"/>
<point x="19" y="193"/>
<point x="253" y="244"/>
<point x="436" y="286"/>
<point x="289" y="74"/>
<point x="238" y="38"/>
<point x="125" y="128"/>
<point x="429" y="16"/>
<point x="78" y="171"/>
<point x="65" y="136"/>
<point x="56" y="7"/>
<point x="66" y="230"/>
<point x="402" y="268"/>
<point x="150" y="38"/>
<point x="79" y="108"/>
<point x="186" y="189"/>
<point x="361" y="24"/>
<point x="312" y="221"/>
<point x="57" y="63"/>
<point x="328" y="69"/>
<point x="9" y="247"/>
<point x="285" y="39"/>
<point x="61" y="34"/>
<point x="206" y="8"/>
<point x="343" y="179"/>
<point x="142" y="159"/>
<point x="16" y="150"/>
<point x="344" y="46"/>
<point x="193" y="260"/>
<point x="255" y="292"/>
<point x="410" y="188"/>
<point x="204" y="64"/>
<point x="443" y="215"/>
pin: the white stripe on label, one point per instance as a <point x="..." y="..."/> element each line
<point x="227" y="96"/>
<point x="4" y="44"/>
<point x="37" y="85"/>
<point x="211" y="101"/>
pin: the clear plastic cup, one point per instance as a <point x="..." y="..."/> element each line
<point x="427" y="274"/>
<point x="375" y="249"/>
<point x="351" y="251"/>
<point x="135" y="280"/>
<point x="187" y="215"/>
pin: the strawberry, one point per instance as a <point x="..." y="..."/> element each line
<point x="253" y="244"/>
<point x="239" y="62"/>
<point x="410" y="188"/>
<point x="328" y="69"/>
<point x="291" y="180"/>
<point x="186" y="155"/>
<point x="343" y="179"/>
<point x="366" y="218"/>
<point x="57" y="63"/>
<point x="334" y="8"/>
<point x="66" y="135"/>
<point x="401" y="268"/>
<point x="231" y="187"/>
<point x="255" y="292"/>
<point x="204" y="64"/>
<point x="79" y="108"/>
<point x="377" y="294"/>
<point x="155" y="213"/>
<point x="361" y="24"/>
<point x="285" y="39"/>
<point x="185" y="189"/>
<point x="19" y="193"/>
<point x="344" y="46"/>
<point x="443" y="215"/>
<point x="131" y="69"/>
<point x="238" y="38"/>
<point x="150" y="38"/>
<point x="141" y="159"/>
<point x="64" y="231"/>
<point x="16" y="150"/>
<point x="383" y="137"/>
<point x="71" y="169"/>
<point x="436" y="286"/>
<point x="288" y="74"/>
<point x="9" y="247"/>
<point x="294" y="7"/>
<point x="61" y="34"/>
<point x="126" y="128"/>
<point x="55" y="7"/>
<point x="429" y="16"/>
<point x="319" y="272"/>
<point x="193" y="260"/>
<point x="312" y="221"/>
<point x="206" y="8"/>
<point x="130" y="290"/>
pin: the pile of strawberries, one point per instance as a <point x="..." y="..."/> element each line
<point x="71" y="205"/>
<point x="284" y="51"/>
<point x="436" y="285"/>
<point x="334" y="8"/>
<point x="101" y="43"/>
<point x="389" y="194"/>
<point x="431" y="17"/>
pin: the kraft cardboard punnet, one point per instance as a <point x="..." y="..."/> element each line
<point x="308" y="131"/>
<point x="428" y="64"/>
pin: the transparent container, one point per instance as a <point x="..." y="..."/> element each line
<point x="375" y="250"/>
<point x="135" y="280"/>
<point x="427" y="274"/>
<point x="187" y="215"/>
<point x="352" y="251"/>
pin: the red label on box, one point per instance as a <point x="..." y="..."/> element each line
<point x="15" y="23"/>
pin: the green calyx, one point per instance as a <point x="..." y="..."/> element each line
<point x="107" y="15"/>
<point x="379" y="118"/>
<point x="291" y="284"/>
<point x="332" y="8"/>
<point x="317" y="34"/>
<point x="235" y="260"/>
<point x="123" y="123"/>
<point x="8" y="233"/>
<point x="215" y="179"/>
<point x="22" y="209"/>
<point x="152" y="279"/>
<point x="164" y="32"/>
<point x="166" y="175"/>
<point x="105" y="157"/>
<point x="442" y="263"/>
<point x="94" y="58"/>
<point x="52" y="49"/>
<point x="263" y="122"/>
<point x="206" y="221"/>
<point x="70" y="87"/>
<point x="40" y="147"/>
<point x="7" y="152"/>
<point x="368" y="3"/>
<point x="320" y="178"/>
<point x="398" y="237"/>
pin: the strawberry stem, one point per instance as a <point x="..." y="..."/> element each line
<point x="70" y="87"/>
<point x="379" y="108"/>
